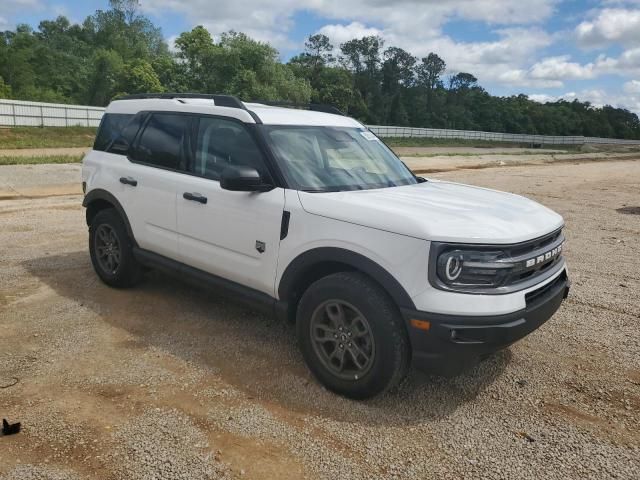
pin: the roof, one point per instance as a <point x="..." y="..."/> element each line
<point x="268" y="115"/>
<point x="273" y="115"/>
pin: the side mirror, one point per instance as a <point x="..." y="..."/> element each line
<point x="119" y="145"/>
<point x="243" y="179"/>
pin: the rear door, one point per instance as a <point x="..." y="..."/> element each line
<point x="158" y="157"/>
<point x="234" y="235"/>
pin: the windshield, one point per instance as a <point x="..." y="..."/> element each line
<point x="330" y="159"/>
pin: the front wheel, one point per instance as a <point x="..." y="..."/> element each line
<point x="352" y="336"/>
<point x="111" y="250"/>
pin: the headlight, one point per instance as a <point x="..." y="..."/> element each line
<point x="495" y="269"/>
<point x="468" y="268"/>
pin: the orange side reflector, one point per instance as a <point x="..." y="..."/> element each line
<point x="421" y="324"/>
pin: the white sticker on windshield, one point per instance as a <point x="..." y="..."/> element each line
<point x="369" y="136"/>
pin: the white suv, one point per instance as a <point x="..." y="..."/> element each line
<point x="308" y="215"/>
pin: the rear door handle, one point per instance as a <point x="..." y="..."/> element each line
<point x="195" y="197"/>
<point x="129" y="181"/>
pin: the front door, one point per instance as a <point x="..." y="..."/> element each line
<point x="234" y="235"/>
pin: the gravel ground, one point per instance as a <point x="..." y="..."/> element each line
<point x="166" y="381"/>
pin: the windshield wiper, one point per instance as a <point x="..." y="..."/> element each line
<point x="320" y="190"/>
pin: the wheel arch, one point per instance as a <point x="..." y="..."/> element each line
<point x="320" y="262"/>
<point x="98" y="200"/>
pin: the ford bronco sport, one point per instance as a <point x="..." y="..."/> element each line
<point x="308" y="215"/>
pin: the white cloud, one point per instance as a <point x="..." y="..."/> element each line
<point x="543" y="98"/>
<point x="610" y="25"/>
<point x="272" y="20"/>
<point x="171" y="43"/>
<point x="598" y="98"/>
<point x="628" y="63"/>
<point x="415" y="25"/>
<point x="560" y="68"/>
<point x="260" y="19"/>
<point x="342" y="33"/>
<point x="632" y="87"/>
<point x="522" y="78"/>
<point x="550" y="72"/>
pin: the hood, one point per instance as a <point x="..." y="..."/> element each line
<point x="439" y="211"/>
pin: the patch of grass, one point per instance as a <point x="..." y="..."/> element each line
<point x="18" y="160"/>
<point x="452" y="142"/>
<point x="46" y="137"/>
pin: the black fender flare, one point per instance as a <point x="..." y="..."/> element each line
<point x="100" y="194"/>
<point x="315" y="257"/>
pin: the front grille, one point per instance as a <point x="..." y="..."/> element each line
<point x="534" y="251"/>
<point x="539" y="243"/>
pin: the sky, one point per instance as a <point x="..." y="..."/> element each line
<point x="547" y="49"/>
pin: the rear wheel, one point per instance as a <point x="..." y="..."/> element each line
<point x="352" y="335"/>
<point x="111" y="250"/>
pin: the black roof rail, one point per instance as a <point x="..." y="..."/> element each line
<point x="219" y="100"/>
<point x="315" y="107"/>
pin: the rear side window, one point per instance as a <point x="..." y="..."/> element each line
<point x="164" y="141"/>
<point x="110" y="128"/>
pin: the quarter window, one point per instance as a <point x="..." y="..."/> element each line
<point x="110" y="128"/>
<point x="164" y="141"/>
<point x="223" y="143"/>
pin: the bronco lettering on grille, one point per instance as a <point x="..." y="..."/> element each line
<point x="532" y="262"/>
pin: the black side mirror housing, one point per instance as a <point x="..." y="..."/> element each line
<point x="243" y="179"/>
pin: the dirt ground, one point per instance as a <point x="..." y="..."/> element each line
<point x="166" y="381"/>
<point x="42" y="152"/>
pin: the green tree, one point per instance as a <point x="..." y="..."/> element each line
<point x="196" y="51"/>
<point x="139" y="77"/>
<point x="107" y="66"/>
<point x="334" y="88"/>
<point x="5" y="90"/>
<point x="429" y="76"/>
<point x="362" y="57"/>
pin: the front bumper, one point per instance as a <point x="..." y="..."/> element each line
<point x="454" y="343"/>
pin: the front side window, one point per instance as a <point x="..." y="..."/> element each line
<point x="164" y="141"/>
<point x="223" y="143"/>
<point x="325" y="159"/>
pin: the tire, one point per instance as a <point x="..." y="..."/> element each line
<point x="108" y="238"/>
<point x="341" y="364"/>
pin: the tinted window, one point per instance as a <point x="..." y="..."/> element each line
<point x="163" y="142"/>
<point x="222" y="143"/>
<point x="120" y="145"/>
<point x="111" y="126"/>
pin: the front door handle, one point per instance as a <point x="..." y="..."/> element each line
<point x="195" y="197"/>
<point x="129" y="181"/>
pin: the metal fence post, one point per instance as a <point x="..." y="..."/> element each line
<point x="13" y="111"/>
<point x="41" y="116"/>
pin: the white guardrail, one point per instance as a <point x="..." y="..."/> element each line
<point x="18" y="113"/>
<point x="15" y="113"/>
<point x="411" y="132"/>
